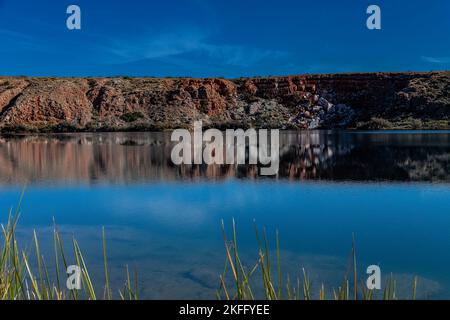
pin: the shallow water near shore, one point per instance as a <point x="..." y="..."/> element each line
<point x="390" y="189"/>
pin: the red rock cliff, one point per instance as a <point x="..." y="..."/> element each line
<point x="365" y="100"/>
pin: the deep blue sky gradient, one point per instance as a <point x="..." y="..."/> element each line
<point x="230" y="38"/>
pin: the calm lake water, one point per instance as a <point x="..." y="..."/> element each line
<point x="390" y="189"/>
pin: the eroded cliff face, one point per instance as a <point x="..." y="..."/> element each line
<point x="366" y="100"/>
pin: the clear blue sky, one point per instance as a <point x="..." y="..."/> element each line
<point x="221" y="38"/>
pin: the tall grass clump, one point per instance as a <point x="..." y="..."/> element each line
<point x="24" y="274"/>
<point x="238" y="282"/>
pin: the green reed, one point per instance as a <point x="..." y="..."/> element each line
<point x="20" y="280"/>
<point x="238" y="284"/>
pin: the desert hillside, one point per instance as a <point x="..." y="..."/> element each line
<point x="360" y="101"/>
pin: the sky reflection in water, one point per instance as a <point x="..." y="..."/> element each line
<point x="169" y="229"/>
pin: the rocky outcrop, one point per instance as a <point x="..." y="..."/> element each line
<point x="363" y="100"/>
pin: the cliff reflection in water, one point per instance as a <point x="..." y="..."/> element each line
<point x="142" y="157"/>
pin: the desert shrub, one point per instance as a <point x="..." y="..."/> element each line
<point x="375" y="124"/>
<point x="132" y="116"/>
